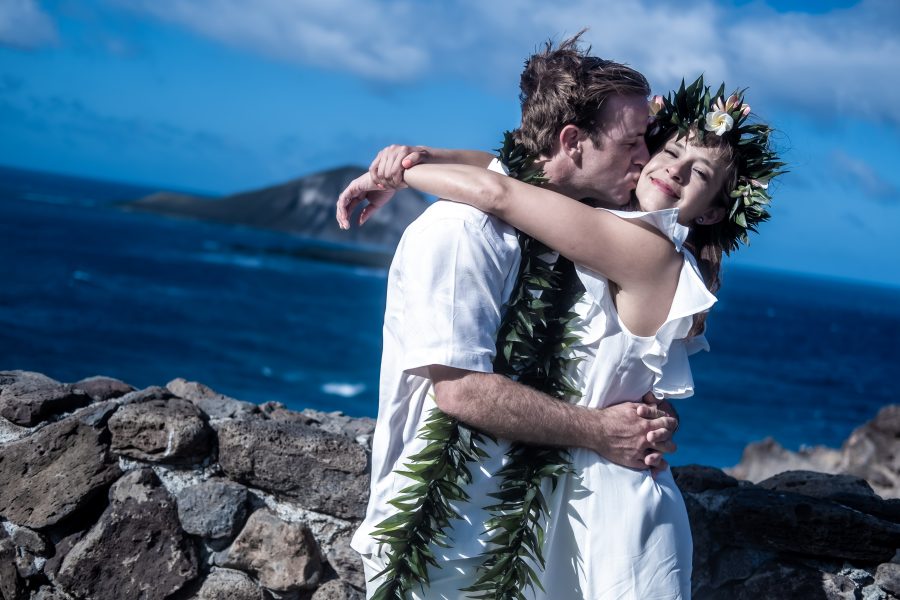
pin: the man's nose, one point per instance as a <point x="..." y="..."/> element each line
<point x="642" y="155"/>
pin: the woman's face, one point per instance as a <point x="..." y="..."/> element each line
<point x="686" y="177"/>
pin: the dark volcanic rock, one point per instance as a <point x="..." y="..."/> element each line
<point x="216" y="405"/>
<point x="11" y="585"/>
<point x="699" y="478"/>
<point x="284" y="556"/>
<point x="212" y="509"/>
<point x="304" y="206"/>
<point x="848" y="490"/>
<point x="337" y="590"/>
<point x="772" y="521"/>
<point x="776" y="581"/>
<point x="164" y="430"/>
<point x="321" y="471"/>
<point x="103" y="388"/>
<point x="136" y="550"/>
<point x="228" y="584"/>
<point x="54" y="472"/>
<point x="345" y="560"/>
<point x="28" y="398"/>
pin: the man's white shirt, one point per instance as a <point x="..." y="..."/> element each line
<point x="454" y="269"/>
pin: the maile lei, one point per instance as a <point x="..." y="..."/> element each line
<point x="532" y="344"/>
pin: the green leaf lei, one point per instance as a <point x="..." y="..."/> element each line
<point x="533" y="338"/>
<point x="531" y="347"/>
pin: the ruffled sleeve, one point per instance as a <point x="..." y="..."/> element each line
<point x="666" y="353"/>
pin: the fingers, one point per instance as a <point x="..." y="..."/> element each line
<point x="647" y="411"/>
<point x="649" y="398"/>
<point x="347" y="202"/>
<point x="657" y="465"/>
<point x="387" y="168"/>
<point x="413" y="159"/>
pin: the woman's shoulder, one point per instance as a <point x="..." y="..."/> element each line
<point x="665" y="220"/>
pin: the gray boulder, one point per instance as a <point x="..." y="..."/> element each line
<point x="217" y="406"/>
<point x="53" y="473"/>
<point x="12" y="587"/>
<point x="213" y="509"/>
<point x="337" y="590"/>
<point x="848" y="490"/>
<point x="103" y="388"/>
<point x="346" y="561"/>
<point x="28" y="398"/>
<point x="283" y="556"/>
<point x="228" y="584"/>
<point x="168" y="430"/>
<point x="135" y="550"/>
<point x="320" y="471"/>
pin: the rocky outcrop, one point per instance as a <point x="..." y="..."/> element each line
<point x="304" y="206"/>
<point x="185" y="494"/>
<point x="872" y="452"/>
<point x="177" y="492"/>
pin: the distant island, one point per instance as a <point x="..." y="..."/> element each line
<point x="304" y="206"/>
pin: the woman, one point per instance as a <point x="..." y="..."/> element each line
<point x="646" y="294"/>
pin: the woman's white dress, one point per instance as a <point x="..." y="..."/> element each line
<point x="614" y="532"/>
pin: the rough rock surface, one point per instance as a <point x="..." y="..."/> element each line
<point x="28" y="398"/>
<point x="139" y="528"/>
<point x="872" y="452"/>
<point x="337" y="590"/>
<point x="54" y="472"/>
<point x="166" y="528"/>
<point x="161" y="430"/>
<point x="103" y="388"/>
<point x="217" y="406"/>
<point x="320" y="471"/>
<point x="228" y="584"/>
<point x="212" y="509"/>
<point x="284" y="556"/>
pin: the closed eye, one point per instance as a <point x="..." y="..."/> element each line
<point x="702" y="174"/>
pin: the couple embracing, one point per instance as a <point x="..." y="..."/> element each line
<point x="538" y="321"/>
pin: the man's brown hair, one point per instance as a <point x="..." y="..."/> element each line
<point x="565" y="85"/>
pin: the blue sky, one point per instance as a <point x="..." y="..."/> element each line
<point x="226" y="95"/>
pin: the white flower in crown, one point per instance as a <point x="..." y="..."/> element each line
<point x="656" y="104"/>
<point x="719" y="121"/>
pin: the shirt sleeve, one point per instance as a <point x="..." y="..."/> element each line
<point x="455" y="277"/>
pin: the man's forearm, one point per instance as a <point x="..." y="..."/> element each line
<point x="516" y="412"/>
<point x="474" y="158"/>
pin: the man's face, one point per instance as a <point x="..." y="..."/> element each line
<point x="608" y="171"/>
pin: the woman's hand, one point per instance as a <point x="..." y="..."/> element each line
<point x="388" y="166"/>
<point x="361" y="189"/>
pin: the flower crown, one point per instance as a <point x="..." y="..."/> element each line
<point x="694" y="109"/>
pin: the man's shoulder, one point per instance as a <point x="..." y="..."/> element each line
<point x="446" y="214"/>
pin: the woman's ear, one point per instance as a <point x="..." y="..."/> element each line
<point x="712" y="215"/>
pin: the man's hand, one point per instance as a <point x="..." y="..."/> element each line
<point x="653" y="407"/>
<point x="636" y="435"/>
<point x="361" y="189"/>
<point x="387" y="168"/>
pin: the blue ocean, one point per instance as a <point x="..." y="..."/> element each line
<point x="89" y="288"/>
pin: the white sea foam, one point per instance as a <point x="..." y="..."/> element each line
<point x="345" y="390"/>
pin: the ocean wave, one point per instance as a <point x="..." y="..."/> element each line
<point x="344" y="390"/>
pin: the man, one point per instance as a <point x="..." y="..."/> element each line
<point x="453" y="271"/>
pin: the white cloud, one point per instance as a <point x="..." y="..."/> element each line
<point x="357" y="36"/>
<point x="862" y="177"/>
<point x="24" y="25"/>
<point x="843" y="61"/>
